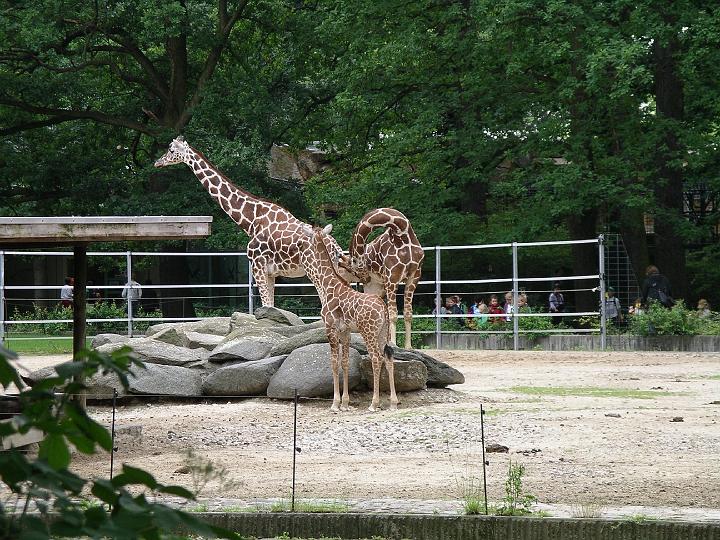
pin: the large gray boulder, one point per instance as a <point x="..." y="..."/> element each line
<point x="197" y="340"/>
<point x="248" y="378"/>
<point x="219" y="326"/>
<point x="440" y="374"/>
<point x="173" y="334"/>
<point x="289" y="331"/>
<point x="409" y="375"/>
<point x="242" y="320"/>
<point x="165" y="380"/>
<point x="255" y="333"/>
<point x="308" y="370"/>
<point x="288" y="345"/>
<point x="278" y="315"/>
<point x="102" y="339"/>
<point x="241" y="350"/>
<point x="156" y="352"/>
<point x="152" y="379"/>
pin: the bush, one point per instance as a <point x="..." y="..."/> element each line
<point x="678" y="321"/>
<point x="44" y="499"/>
<point x="98" y="310"/>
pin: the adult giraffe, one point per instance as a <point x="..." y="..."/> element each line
<point x="392" y="258"/>
<point x="277" y="238"/>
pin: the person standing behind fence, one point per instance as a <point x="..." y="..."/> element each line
<point x="557" y="303"/>
<point x="132" y="292"/>
<point x="656" y="288"/>
<point x="66" y="293"/>
<point x="613" y="312"/>
<point x="495" y="309"/>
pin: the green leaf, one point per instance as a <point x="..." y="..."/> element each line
<point x="55" y="451"/>
<point x="67" y="370"/>
<point x="133" y="475"/>
<point x="178" y="491"/>
<point x="105" y="491"/>
<point x="81" y="442"/>
<point x="89" y="427"/>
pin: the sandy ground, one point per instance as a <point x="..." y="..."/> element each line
<point x="618" y="449"/>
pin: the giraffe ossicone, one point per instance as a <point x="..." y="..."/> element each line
<point x="277" y="238"/>
<point x="392" y="258"/>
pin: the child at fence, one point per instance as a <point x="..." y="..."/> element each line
<point x="613" y="313"/>
<point x="495" y="309"/>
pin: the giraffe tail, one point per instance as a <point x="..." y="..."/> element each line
<point x="388" y="351"/>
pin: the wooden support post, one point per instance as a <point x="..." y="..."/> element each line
<point x="79" y="302"/>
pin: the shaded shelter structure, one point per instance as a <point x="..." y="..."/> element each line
<point x="78" y="232"/>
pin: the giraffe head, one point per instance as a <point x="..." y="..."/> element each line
<point x="355" y="266"/>
<point x="320" y="238"/>
<point x="177" y="153"/>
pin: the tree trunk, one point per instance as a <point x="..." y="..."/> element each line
<point x="632" y="230"/>
<point x="584" y="258"/>
<point x="669" y="96"/>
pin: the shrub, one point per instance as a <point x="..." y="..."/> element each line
<point x="677" y="321"/>
<point x="43" y="498"/>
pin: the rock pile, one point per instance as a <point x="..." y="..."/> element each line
<point x="272" y="352"/>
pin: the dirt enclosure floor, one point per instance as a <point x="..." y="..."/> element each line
<point x="597" y="428"/>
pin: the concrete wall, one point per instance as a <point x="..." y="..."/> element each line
<point x="424" y="527"/>
<point x="578" y="342"/>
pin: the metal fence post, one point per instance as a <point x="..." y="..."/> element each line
<point x="2" y="297"/>
<point x="128" y="264"/>
<point x="438" y="300"/>
<point x="250" y="286"/>
<point x="601" y="273"/>
<point x="516" y="320"/>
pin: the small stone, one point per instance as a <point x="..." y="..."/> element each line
<point x="677" y="419"/>
<point x="657" y="388"/>
<point x="612" y="415"/>
<point x="496" y="448"/>
<point x="185" y="469"/>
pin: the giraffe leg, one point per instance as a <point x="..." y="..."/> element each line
<point x="390" y="367"/>
<point x="376" y="367"/>
<point x="265" y="284"/>
<point x="345" y="355"/>
<point x="410" y="286"/>
<point x="334" y="353"/>
<point x="391" y="294"/>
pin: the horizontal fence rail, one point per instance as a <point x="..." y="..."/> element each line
<point x="244" y="292"/>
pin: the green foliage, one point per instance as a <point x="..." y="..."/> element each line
<point x="677" y="321"/>
<point x="97" y="310"/>
<point x="516" y="501"/>
<point x="45" y="500"/>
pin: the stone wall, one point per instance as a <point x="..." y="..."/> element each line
<point x="424" y="527"/>
<point x="578" y="342"/>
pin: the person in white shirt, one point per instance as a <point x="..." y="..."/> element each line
<point x="132" y="292"/>
<point x="66" y="293"/>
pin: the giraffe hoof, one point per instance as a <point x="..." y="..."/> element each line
<point x="335" y="408"/>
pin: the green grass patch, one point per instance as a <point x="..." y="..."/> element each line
<point x="592" y="391"/>
<point x="40" y="346"/>
<point x="714" y="377"/>
<point x="310" y="507"/>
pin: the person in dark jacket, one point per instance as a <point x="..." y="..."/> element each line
<point x="656" y="287"/>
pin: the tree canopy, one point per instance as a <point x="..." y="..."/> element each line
<point x="482" y="121"/>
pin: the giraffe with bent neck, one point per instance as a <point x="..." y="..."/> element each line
<point x="394" y="257"/>
<point x="277" y="238"/>
<point x="343" y="310"/>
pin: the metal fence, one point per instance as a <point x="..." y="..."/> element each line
<point x="242" y="295"/>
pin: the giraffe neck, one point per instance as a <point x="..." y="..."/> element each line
<point x="321" y="271"/>
<point x="393" y="221"/>
<point x="240" y="205"/>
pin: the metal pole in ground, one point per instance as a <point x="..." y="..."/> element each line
<point x="112" y="435"/>
<point x="482" y="440"/>
<point x="128" y="270"/>
<point x="601" y="273"/>
<point x="2" y="297"/>
<point x="295" y="450"/>
<point x="516" y="320"/>
<point x="438" y="300"/>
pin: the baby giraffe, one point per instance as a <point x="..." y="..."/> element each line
<point x="343" y="310"/>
